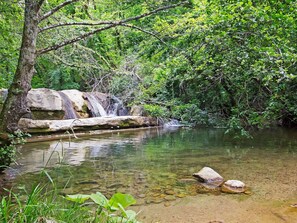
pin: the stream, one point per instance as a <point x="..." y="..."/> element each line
<point x="155" y="165"/>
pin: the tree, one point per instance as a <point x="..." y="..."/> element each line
<point x="234" y="60"/>
<point x="36" y="22"/>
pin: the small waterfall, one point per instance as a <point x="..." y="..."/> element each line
<point x="68" y="107"/>
<point x="172" y="123"/>
<point x="116" y="108"/>
<point x="94" y="105"/>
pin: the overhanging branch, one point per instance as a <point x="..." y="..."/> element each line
<point x="75" y="24"/>
<point x="109" y="22"/>
<point x="109" y="26"/>
<point x="57" y="8"/>
<point x="144" y="31"/>
<point x="76" y="39"/>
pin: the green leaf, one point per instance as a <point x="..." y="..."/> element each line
<point x="124" y="200"/>
<point x="99" y="199"/>
<point x="78" y="198"/>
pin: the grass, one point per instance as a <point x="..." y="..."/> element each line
<point x="42" y="206"/>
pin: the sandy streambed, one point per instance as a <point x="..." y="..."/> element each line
<point x="222" y="208"/>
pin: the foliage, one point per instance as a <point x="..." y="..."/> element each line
<point x="157" y="111"/>
<point x="232" y="59"/>
<point x="10" y="35"/>
<point x="40" y="205"/>
<point x="212" y="60"/>
<point x="7" y="152"/>
<point x="106" y="208"/>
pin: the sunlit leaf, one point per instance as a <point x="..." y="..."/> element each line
<point x="78" y="198"/>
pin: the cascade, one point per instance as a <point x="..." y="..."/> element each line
<point x="172" y="123"/>
<point x="116" y="107"/>
<point x="68" y="107"/>
<point x="94" y="105"/>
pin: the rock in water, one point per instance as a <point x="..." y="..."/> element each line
<point x="233" y="187"/>
<point x="209" y="176"/>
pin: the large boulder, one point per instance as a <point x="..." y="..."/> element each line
<point x="45" y="104"/>
<point x="208" y="176"/>
<point x="78" y="102"/>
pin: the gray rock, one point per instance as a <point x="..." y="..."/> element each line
<point x="117" y="122"/>
<point x="209" y="176"/>
<point x="137" y="110"/>
<point x="45" y="104"/>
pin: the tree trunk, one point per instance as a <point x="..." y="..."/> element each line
<point x="15" y="105"/>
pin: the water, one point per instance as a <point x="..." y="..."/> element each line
<point x="68" y="107"/>
<point x="94" y="105"/>
<point x="155" y="165"/>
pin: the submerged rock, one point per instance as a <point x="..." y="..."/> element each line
<point x="208" y="176"/>
<point x="233" y="187"/>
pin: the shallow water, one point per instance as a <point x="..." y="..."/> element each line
<point x="155" y="164"/>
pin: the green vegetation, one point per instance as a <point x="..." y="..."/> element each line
<point x="40" y="205"/>
<point x="7" y="152"/>
<point x="230" y="63"/>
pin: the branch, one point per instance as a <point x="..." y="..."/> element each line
<point x="154" y="11"/>
<point x="57" y="8"/>
<point x="109" y="26"/>
<point x="144" y="31"/>
<point x="97" y="24"/>
<point x="110" y="22"/>
<point x="75" y="24"/>
<point x="76" y="39"/>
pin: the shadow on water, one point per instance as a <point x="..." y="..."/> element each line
<point x="154" y="164"/>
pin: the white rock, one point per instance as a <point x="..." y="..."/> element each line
<point x="234" y="183"/>
<point x="233" y="186"/>
<point x="45" y="100"/>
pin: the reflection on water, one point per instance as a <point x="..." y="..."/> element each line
<point x="155" y="165"/>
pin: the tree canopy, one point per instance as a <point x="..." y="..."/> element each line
<point x="231" y="63"/>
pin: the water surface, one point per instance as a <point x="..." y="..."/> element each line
<point x="154" y="164"/>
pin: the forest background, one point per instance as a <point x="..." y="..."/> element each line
<point x="226" y="63"/>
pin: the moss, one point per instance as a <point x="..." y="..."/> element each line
<point x="48" y="115"/>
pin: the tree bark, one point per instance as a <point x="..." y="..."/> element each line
<point x="15" y="105"/>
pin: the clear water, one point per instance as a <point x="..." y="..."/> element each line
<point x="156" y="165"/>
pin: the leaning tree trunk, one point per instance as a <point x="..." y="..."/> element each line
<point x="15" y="105"/>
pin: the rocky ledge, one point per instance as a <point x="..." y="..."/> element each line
<point x="115" y="122"/>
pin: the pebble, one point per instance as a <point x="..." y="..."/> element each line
<point x="170" y="198"/>
<point x="169" y="192"/>
<point x="141" y="195"/>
